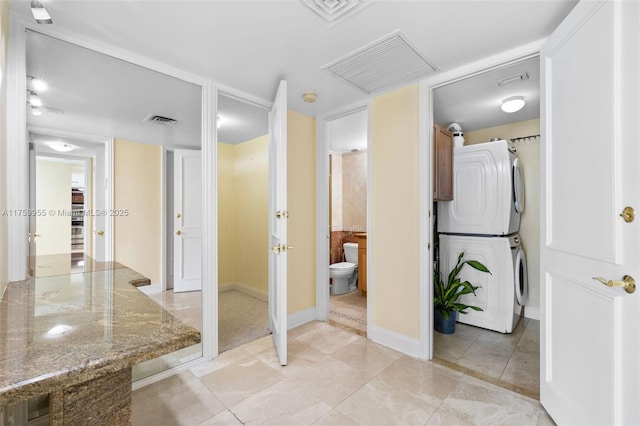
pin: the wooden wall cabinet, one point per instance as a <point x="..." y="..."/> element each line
<point x="442" y="164"/>
<point x="362" y="263"/>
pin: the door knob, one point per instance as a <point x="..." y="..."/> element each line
<point x="178" y="232"/>
<point x="281" y="247"/>
<point x="628" y="214"/>
<point x="37" y="235"/>
<point x="101" y="233"/>
<point x="628" y="283"/>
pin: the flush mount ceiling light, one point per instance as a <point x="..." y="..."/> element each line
<point x="60" y="146"/>
<point x="309" y="97"/>
<point x="513" y="104"/>
<point x="36" y="110"/>
<point x="39" y="13"/>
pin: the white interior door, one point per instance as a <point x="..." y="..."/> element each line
<point x="589" y="332"/>
<point x="278" y="222"/>
<point x="187" y="222"/>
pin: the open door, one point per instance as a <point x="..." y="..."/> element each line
<point x="590" y="344"/>
<point x="278" y="215"/>
<point x="187" y="220"/>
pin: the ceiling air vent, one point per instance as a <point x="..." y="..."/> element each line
<point x="388" y="62"/>
<point x="166" y="121"/>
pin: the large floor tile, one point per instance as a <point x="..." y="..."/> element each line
<point x="523" y="369"/>
<point x="330" y="380"/>
<point x="366" y="355"/>
<point x="238" y="381"/>
<point x="379" y="403"/>
<point x="476" y="402"/>
<point x="426" y="380"/>
<point x="189" y="403"/>
<point x="328" y="339"/>
<point x="334" y="418"/>
<point x="284" y="403"/>
<point x="226" y="418"/>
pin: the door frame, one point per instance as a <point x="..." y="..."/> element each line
<point x="18" y="163"/>
<point x="108" y="172"/>
<point x="323" y="233"/>
<point x="426" y="185"/>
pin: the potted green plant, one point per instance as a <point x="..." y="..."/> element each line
<point x="445" y="297"/>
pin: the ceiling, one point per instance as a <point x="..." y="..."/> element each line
<point x="251" y="45"/>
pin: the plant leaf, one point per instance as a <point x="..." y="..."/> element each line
<point x="477" y="265"/>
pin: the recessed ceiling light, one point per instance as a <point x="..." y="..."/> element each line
<point x="513" y="104"/>
<point x="39" y="13"/>
<point x="60" y="146"/>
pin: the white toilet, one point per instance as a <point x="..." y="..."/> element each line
<point x="344" y="275"/>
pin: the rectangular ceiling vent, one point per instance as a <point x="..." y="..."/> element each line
<point x="165" y="121"/>
<point x="388" y="62"/>
<point x="507" y="81"/>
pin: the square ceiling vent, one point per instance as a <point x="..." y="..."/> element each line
<point x="334" y="11"/>
<point x="388" y="62"/>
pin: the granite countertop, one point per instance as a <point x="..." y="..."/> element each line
<point x="112" y="324"/>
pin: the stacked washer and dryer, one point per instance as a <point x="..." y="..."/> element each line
<point x="483" y="221"/>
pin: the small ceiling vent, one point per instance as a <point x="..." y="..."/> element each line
<point x="388" y="62"/>
<point x="165" y="121"/>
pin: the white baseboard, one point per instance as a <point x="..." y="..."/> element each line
<point x="299" y="318"/>
<point x="151" y="288"/>
<point x="532" y="312"/>
<point x="242" y="288"/>
<point x="396" y="341"/>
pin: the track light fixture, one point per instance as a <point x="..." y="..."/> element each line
<point x="39" y="13"/>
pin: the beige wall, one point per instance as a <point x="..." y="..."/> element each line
<point x="138" y="188"/>
<point x="301" y="197"/>
<point x="4" y="249"/>
<point x="226" y="215"/>
<point x="529" y="155"/>
<point x="394" y="227"/>
<point x="243" y="209"/>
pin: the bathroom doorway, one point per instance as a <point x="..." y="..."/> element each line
<point x="348" y="175"/>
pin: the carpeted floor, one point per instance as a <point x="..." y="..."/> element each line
<point x="241" y="319"/>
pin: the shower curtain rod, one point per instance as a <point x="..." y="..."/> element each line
<point x="525" y="138"/>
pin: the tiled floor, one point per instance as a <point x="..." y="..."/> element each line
<point x="349" y="311"/>
<point x="509" y="360"/>
<point x="333" y="378"/>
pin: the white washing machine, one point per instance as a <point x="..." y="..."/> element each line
<point x="488" y="193"/>
<point x="501" y="294"/>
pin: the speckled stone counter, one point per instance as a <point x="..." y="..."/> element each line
<point x="76" y="338"/>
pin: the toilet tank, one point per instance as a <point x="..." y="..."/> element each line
<point x="351" y="252"/>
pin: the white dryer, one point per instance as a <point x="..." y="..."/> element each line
<point x="488" y="193"/>
<point x="501" y="294"/>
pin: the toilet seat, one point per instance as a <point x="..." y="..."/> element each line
<point x="342" y="265"/>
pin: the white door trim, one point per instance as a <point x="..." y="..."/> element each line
<point x="323" y="233"/>
<point x="18" y="166"/>
<point x="426" y="186"/>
